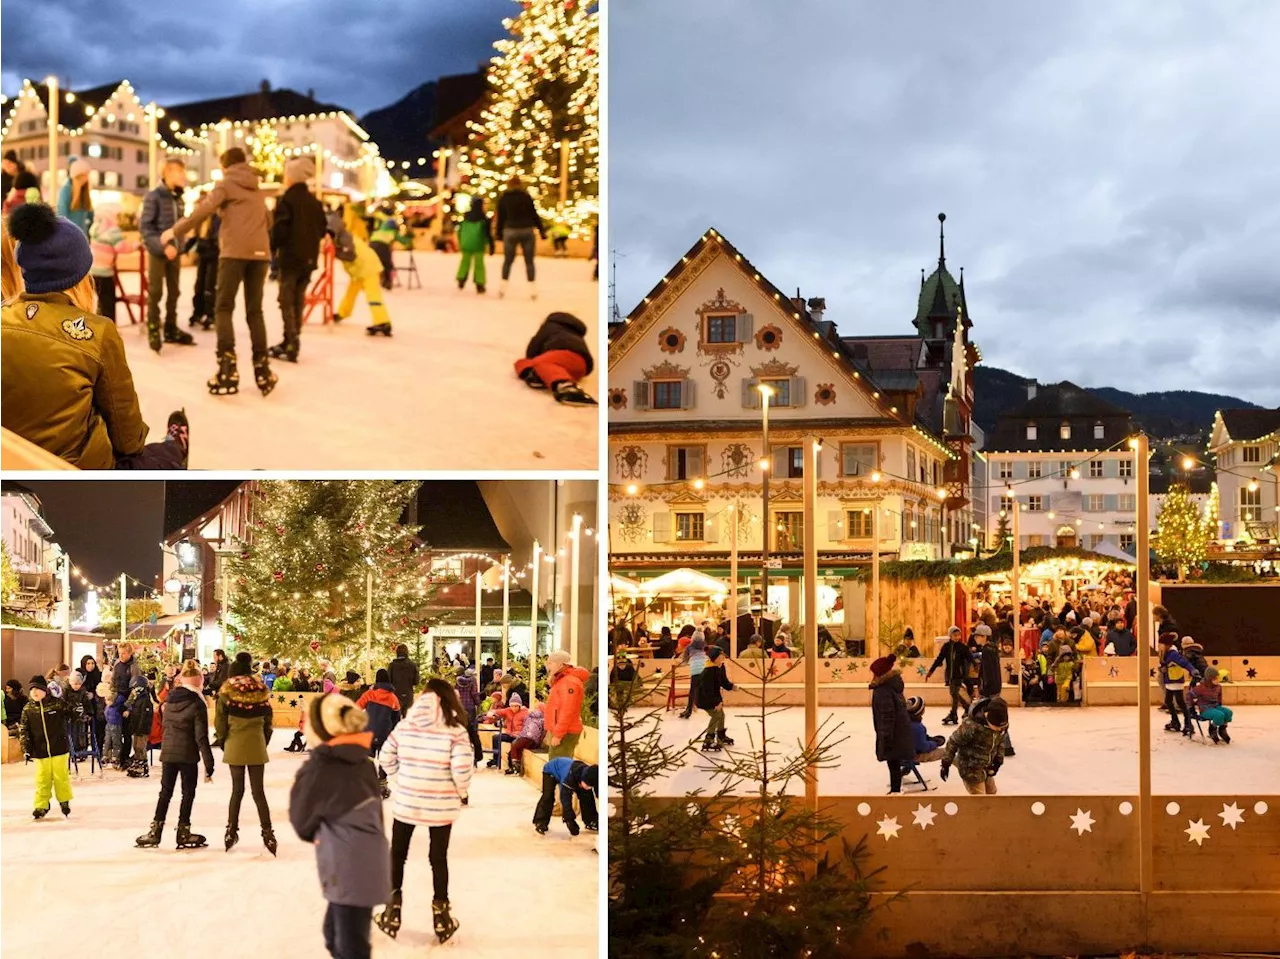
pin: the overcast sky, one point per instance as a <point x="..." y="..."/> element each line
<point x="1110" y="171"/>
<point x="359" y="54"/>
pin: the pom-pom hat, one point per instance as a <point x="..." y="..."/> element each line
<point x="52" y="252"/>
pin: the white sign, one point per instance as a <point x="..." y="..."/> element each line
<point x="466" y="632"/>
<point x="773" y="564"/>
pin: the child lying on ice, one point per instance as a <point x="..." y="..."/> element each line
<point x="557" y="358"/>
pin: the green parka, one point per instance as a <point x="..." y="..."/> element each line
<point x="242" y="721"/>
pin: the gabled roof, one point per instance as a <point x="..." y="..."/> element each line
<point x="637" y="322"/>
<point x="74" y="115"/>
<point x="940" y="295"/>
<point x="257" y="105"/>
<point x="1246" y="425"/>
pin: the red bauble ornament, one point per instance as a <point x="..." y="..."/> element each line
<point x="391" y="549"/>
<point x="241" y="581"/>
<point x="261" y="523"/>
<point x="278" y="575"/>
<point x="424" y="630"/>
<point x="279" y="530"/>
<point x="244" y="554"/>
<point x="315" y="646"/>
<point x="360" y="527"/>
<point x="319" y="567"/>
<point x="404" y="621"/>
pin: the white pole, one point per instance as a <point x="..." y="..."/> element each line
<point x="478" y="614"/>
<point x="811" y="650"/>
<point x="319" y="154"/>
<point x="574" y="556"/>
<point x="506" y="610"/>
<point x="1017" y="559"/>
<point x="733" y="582"/>
<point x="533" y="645"/>
<point x="1146" y="864"/>
<point x="151" y="145"/>
<point x="123" y="617"/>
<point x="368" y="620"/>
<point x="873" y="614"/>
<point x="52" y="85"/>
<point x="65" y="575"/>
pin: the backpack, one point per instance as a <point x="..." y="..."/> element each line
<point x="344" y="245"/>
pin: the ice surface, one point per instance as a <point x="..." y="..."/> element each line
<point x="440" y="394"/>
<point x="1069" y="751"/>
<point x="515" y="893"/>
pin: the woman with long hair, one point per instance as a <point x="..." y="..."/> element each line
<point x="242" y="720"/>
<point x="74" y="200"/>
<point x="431" y="750"/>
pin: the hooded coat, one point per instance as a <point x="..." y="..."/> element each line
<point x="563" y="711"/>
<point x="894" y="738"/>
<point x="297" y="229"/>
<point x="383" y="707"/>
<point x="975" y="746"/>
<point x="533" y="728"/>
<point x="512" y="717"/>
<point x="954" y="657"/>
<point x="186" y="729"/>
<point x="91" y="676"/>
<point x="436" y="760"/>
<point x="43" y="728"/>
<point x="242" y="720"/>
<point x="404" y="677"/>
<point x="561" y="331"/>
<point x="140" y="707"/>
<point x="245" y="233"/>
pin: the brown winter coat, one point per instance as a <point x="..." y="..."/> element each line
<point x="67" y="385"/>
<point x="245" y="232"/>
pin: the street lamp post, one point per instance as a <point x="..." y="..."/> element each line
<point x="153" y="135"/>
<point x="766" y="467"/>
<point x="533" y="643"/>
<point x="51" y="87"/>
<point x="873" y="614"/>
<point x="811" y="448"/>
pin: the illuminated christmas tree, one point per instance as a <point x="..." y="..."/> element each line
<point x="298" y="588"/>
<point x="1183" y="533"/>
<point x="542" y="117"/>
<point x="267" y="155"/>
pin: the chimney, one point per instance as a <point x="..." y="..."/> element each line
<point x="1031" y="389"/>
<point x="311" y="93"/>
<point x="817" y="306"/>
<point x="264" y="86"/>
<point x="798" y="303"/>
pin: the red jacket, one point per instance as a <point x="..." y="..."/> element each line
<point x="512" y="718"/>
<point x="157" y="721"/>
<point x="564" y="702"/>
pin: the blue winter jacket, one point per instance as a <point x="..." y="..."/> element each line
<point x="161" y="209"/>
<point x="115" y="711"/>
<point x="920" y="737"/>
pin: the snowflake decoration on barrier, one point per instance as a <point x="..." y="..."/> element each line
<point x="293" y="702"/>
<point x="1113" y="670"/>
<point x="920" y="670"/>
<point x="1251" y="673"/>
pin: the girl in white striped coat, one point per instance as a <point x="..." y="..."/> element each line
<point x="429" y="753"/>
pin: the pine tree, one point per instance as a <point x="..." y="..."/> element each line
<point x="8" y="576"/>
<point x="267" y="156"/>
<point x="1182" y="531"/>
<point x="1004" y="532"/>
<point x="544" y="91"/>
<point x="297" y="587"/>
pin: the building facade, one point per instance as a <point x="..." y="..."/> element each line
<point x="1064" y="457"/>
<point x="1246" y="447"/>
<point x="33" y="553"/>
<point x="687" y="419"/>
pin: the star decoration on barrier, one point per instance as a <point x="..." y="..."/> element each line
<point x="1153" y="672"/>
<point x="888" y="828"/>
<point x="1251" y="673"/>
<point x="293" y="702"/>
<point x="1231" y="815"/>
<point x="1082" y="822"/>
<point x="923" y="816"/>
<point x="920" y="670"/>
<point x="1197" y="832"/>
<point x="1113" y="670"/>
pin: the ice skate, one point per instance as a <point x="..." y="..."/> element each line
<point x="284" y="351"/>
<point x="227" y="380"/>
<point x="950" y="719"/>
<point x="572" y="826"/>
<point x="462" y="283"/>
<point x="139" y="770"/>
<point x="269" y="839"/>
<point x="1172" y="728"/>
<point x="539" y="827"/>
<point x="1213" y="734"/>
<point x="188" y="839"/>
<point x="231" y="838"/>
<point x="178" y="337"/>
<point x="445" y="925"/>
<point x="492" y="764"/>
<point x="153" y="338"/>
<point x="152" y="837"/>
<point x="39" y="813"/>
<point x="385" y="790"/>
<point x="196" y="320"/>
<point x="480" y="288"/>
<point x="262" y="375"/>
<point x="376" y="329"/>
<point x="710" y="746"/>
<point x="724" y="739"/>
<point x="573" y="395"/>
<point x="66" y="809"/>
<point x="389" y="919"/>
<point x="1223" y="734"/>
<point x="591" y="826"/>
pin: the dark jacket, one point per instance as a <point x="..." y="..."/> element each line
<point x="517" y="212"/>
<point x="161" y="209"/>
<point x="336" y="803"/>
<point x="1194" y="654"/>
<point x="186" y="729"/>
<point x="894" y="739"/>
<point x="561" y="331"/>
<point x="468" y="694"/>
<point x="221" y="671"/>
<point x="383" y="707"/>
<point x="43" y="729"/>
<point x="709" y="686"/>
<point x="404" y="677"/>
<point x="486" y="676"/>
<point x="975" y="746"/>
<point x="13" y="707"/>
<point x="624" y="672"/>
<point x="954" y="656"/>
<point x="1124" y="642"/>
<point x="297" y="230"/>
<point x="121" y="673"/>
<point x="91" y="676"/>
<point x="242" y="721"/>
<point x="140" y="707"/>
<point x="989" y="680"/>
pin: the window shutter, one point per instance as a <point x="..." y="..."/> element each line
<point x="817" y="464"/>
<point x="1019" y="469"/>
<point x="848" y="462"/>
<point x="1110" y="468"/>
<point x="662" y="527"/>
<point x="778" y="462"/>
<point x="693" y="466"/>
<point x="798" y="397"/>
<point x="743" y="327"/>
<point x="750" y="395"/>
<point x="1111" y="502"/>
<point x="995" y="505"/>
<point x="835" y="526"/>
<point x="640" y="394"/>
<point x="686" y="394"/>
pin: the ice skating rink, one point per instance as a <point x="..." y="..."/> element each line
<point x="1072" y="751"/>
<point x="439" y="394"/>
<point x="515" y="893"/>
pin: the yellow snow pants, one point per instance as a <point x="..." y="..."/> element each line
<point x="52" y="778"/>
<point x="372" y="292"/>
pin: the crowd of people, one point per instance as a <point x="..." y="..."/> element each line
<point x="423" y="733"/>
<point x="67" y="384"/>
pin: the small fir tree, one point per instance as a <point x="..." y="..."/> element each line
<point x="8" y="576"/>
<point x="1183" y="533"/>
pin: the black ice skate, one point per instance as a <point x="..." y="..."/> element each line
<point x="379" y="329"/>
<point x="572" y="826"/>
<point x="591" y="826"/>
<point x="445" y="925"/>
<point x="710" y="746"/>
<point x="531" y="380"/>
<point x="284" y="351"/>
<point x="492" y="764"/>
<point x="179" y="337"/>
<point x="227" y="380"/>
<point x="153" y="338"/>
<point x="389" y="919"/>
<point x="231" y="838"/>
<point x="1173" y="727"/>
<point x="196" y="320"/>
<point x="950" y="719"/>
<point x="152" y="837"/>
<point x="540" y="827"/>
<point x="724" y="739"/>
<point x="480" y="288"/>
<point x="269" y="839"/>
<point x="462" y="283"/>
<point x="139" y="770"/>
<point x="263" y="376"/>
<point x="39" y="813"/>
<point x="1222" y="732"/>
<point x="188" y="839"/>
<point x="66" y="809"/>
<point x="572" y="395"/>
<point x="1213" y="733"/>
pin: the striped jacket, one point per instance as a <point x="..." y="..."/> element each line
<point x="432" y="763"/>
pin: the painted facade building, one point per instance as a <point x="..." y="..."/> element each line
<point x="1246" y="446"/>
<point x="686" y="431"/>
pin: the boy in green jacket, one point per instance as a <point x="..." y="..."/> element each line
<point x="43" y="733"/>
<point x="474" y="234"/>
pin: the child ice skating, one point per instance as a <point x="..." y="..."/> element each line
<point x="335" y="804"/>
<point x="43" y="735"/>
<point x="475" y="236"/>
<point x="1175" y="671"/>
<point x="557" y="358"/>
<point x="710" y="697"/>
<point x="975" y="748"/>
<point x="185" y="745"/>
<point x="138" y="710"/>
<point x="1206" y="697"/>
<point x="530" y="737"/>
<point x="107" y="242"/>
<point x="364" y="272"/>
<point x="430" y="754"/>
<point x="382" y="706"/>
<point x="573" y="777"/>
<point x="113" y="741"/>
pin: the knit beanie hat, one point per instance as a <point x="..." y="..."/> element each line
<point x="299" y="169"/>
<point x="77" y="677"/>
<point x="714" y="653"/>
<point x="882" y="665"/>
<point x="38" y="682"/>
<point x="557" y="661"/>
<point x="998" y="713"/>
<point x="52" y="252"/>
<point x="243" y="665"/>
<point x="698" y="642"/>
<point x="982" y="630"/>
<point x="915" y="707"/>
<point x="353" y="677"/>
<point x="333" y="715"/>
<point x="1188" y="641"/>
<point x="516" y="700"/>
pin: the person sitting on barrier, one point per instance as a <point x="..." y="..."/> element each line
<point x="928" y="748"/>
<point x="511" y="719"/>
<point x="531" y="733"/>
<point x="975" y="747"/>
<point x="1206" y="696"/>
<point x="67" y="385"/>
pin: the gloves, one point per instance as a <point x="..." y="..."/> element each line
<point x="945" y="770"/>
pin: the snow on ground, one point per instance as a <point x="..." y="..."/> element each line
<point x="440" y="394"/>
<point x="1063" y="752"/>
<point x="514" y="892"/>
